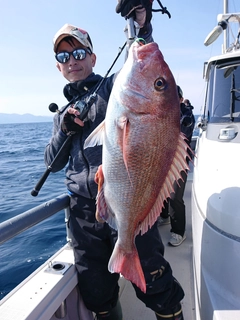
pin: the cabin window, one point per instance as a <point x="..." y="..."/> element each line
<point x="223" y="96"/>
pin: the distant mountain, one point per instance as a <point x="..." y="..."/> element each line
<point x="23" y="118"/>
<point x="27" y="117"/>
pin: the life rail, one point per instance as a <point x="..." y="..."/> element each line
<point x="23" y="221"/>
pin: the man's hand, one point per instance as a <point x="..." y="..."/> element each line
<point x="70" y="122"/>
<point x="140" y="10"/>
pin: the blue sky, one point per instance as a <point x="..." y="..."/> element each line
<point x="29" y="79"/>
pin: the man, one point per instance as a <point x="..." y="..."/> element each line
<point x="93" y="242"/>
<point x="176" y="207"/>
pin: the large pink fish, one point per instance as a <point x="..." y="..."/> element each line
<point x="143" y="153"/>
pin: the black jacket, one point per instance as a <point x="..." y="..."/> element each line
<point x="187" y="121"/>
<point x="82" y="164"/>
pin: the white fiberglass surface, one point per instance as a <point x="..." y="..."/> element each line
<point x="217" y="183"/>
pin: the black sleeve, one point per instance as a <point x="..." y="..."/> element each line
<point x="187" y="121"/>
<point x="57" y="140"/>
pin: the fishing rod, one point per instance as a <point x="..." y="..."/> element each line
<point x="84" y="107"/>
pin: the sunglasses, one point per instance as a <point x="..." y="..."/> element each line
<point x="78" y="54"/>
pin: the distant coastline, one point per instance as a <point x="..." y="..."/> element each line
<point x="8" y="118"/>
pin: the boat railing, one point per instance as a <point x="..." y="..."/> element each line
<point x="16" y="225"/>
<point x="51" y="291"/>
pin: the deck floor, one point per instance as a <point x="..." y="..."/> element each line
<point x="180" y="259"/>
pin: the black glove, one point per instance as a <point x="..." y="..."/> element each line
<point x="68" y="124"/>
<point x="127" y="8"/>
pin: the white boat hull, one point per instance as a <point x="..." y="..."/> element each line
<point x="216" y="229"/>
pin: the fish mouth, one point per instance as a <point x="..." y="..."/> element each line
<point x="138" y="94"/>
<point x="143" y="54"/>
<point x="133" y="92"/>
<point x="140" y="50"/>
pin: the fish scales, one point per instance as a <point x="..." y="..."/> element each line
<point x="143" y="153"/>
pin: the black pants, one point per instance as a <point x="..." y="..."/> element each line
<point x="176" y="207"/>
<point x="93" y="244"/>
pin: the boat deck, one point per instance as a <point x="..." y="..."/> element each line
<point x="180" y="259"/>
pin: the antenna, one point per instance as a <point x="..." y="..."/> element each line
<point x="215" y="33"/>
<point x="223" y="24"/>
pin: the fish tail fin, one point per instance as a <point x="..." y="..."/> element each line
<point x="128" y="264"/>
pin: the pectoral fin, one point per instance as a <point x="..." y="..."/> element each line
<point x="96" y="137"/>
<point x="124" y="125"/>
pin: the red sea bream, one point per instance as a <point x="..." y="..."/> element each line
<point x="143" y="153"/>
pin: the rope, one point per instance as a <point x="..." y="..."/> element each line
<point x="163" y="9"/>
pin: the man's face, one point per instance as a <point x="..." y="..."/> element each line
<point x="75" y="70"/>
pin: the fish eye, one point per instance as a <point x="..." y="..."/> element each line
<point x="159" y="84"/>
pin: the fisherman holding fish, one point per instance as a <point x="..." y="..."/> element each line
<point x="93" y="241"/>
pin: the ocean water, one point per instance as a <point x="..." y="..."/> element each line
<point x="21" y="166"/>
